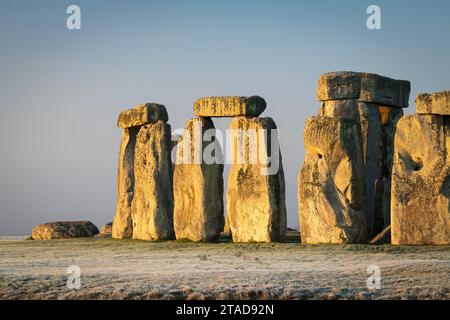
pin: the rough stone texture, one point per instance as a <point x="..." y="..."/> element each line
<point x="152" y="205"/>
<point x="229" y="106"/>
<point x="420" y="205"/>
<point x="384" y="237"/>
<point x="106" y="229"/>
<point x="64" y="230"/>
<point x="198" y="187"/>
<point x="365" y="87"/>
<point x="331" y="183"/>
<point x="226" y="227"/>
<point x="123" y="225"/>
<point x="377" y="128"/>
<point x="256" y="206"/>
<point x="142" y="114"/>
<point x="435" y="103"/>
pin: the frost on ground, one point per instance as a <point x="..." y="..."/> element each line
<point x="126" y="269"/>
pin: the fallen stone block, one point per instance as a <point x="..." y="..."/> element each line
<point x="64" y="230"/>
<point x="106" y="229"/>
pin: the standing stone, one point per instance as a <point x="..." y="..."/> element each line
<point x="331" y="182"/>
<point x="122" y="224"/>
<point x="377" y="127"/>
<point x="130" y="121"/>
<point x="229" y="106"/>
<point x="256" y="206"/>
<point x="420" y="204"/>
<point x="152" y="205"/>
<point x="198" y="183"/>
<point x="375" y="103"/>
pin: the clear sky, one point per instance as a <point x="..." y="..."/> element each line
<point x="61" y="90"/>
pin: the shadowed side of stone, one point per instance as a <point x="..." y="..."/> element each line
<point x="331" y="183"/>
<point x="198" y="183"/>
<point x="256" y="208"/>
<point x="229" y="106"/>
<point x="64" y="230"/>
<point x="384" y="237"/>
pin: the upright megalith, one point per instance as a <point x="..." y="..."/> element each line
<point x="123" y="226"/>
<point x="198" y="183"/>
<point x="152" y="205"/>
<point x="256" y="208"/>
<point x="144" y="175"/>
<point x="375" y="103"/>
<point x="331" y="182"/>
<point x="420" y="204"/>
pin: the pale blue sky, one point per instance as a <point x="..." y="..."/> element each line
<point x="61" y="90"/>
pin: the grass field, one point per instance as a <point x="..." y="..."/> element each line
<point x="125" y="269"/>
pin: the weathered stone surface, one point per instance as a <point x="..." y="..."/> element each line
<point x="435" y="103"/>
<point x="229" y="106"/>
<point x="123" y="225"/>
<point x="365" y="87"/>
<point x="377" y="127"/>
<point x="198" y="183"/>
<point x="347" y="109"/>
<point x="384" y="237"/>
<point x="420" y="206"/>
<point x="152" y="205"/>
<point x="331" y="182"/>
<point x="142" y="114"/>
<point x="64" y="230"/>
<point x="106" y="229"/>
<point x="226" y="227"/>
<point x="256" y="206"/>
